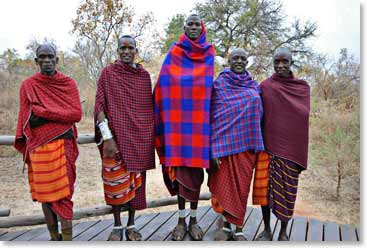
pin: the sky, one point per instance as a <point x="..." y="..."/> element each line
<point x="338" y="21"/>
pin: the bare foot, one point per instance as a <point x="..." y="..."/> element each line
<point x="264" y="236"/>
<point x="132" y="234"/>
<point x="283" y="237"/>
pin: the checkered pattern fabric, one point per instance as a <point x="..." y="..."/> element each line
<point x="230" y="186"/>
<point x="124" y="94"/>
<point x="54" y="98"/>
<point x="235" y="117"/>
<point x="182" y="103"/>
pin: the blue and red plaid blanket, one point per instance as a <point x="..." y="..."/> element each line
<point x="182" y="103"/>
<point x="236" y="112"/>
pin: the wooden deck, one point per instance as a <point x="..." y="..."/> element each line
<point x="158" y="226"/>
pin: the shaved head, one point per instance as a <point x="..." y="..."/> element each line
<point x="238" y="50"/>
<point x="46" y="46"/>
<point x="283" y="51"/>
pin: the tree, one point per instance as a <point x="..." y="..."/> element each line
<point x="9" y="60"/>
<point x="173" y="30"/>
<point x="255" y="25"/>
<point x="334" y="80"/>
<point x="98" y="25"/>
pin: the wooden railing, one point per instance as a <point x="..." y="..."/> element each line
<point x="6" y="222"/>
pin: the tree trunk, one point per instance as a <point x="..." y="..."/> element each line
<point x="339" y="180"/>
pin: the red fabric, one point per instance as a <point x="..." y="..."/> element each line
<point x="286" y="103"/>
<point x="230" y="186"/>
<point x="124" y="94"/>
<point x="64" y="207"/>
<point x="184" y="181"/>
<point x="55" y="98"/>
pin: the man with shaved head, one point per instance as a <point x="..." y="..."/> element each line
<point x="46" y="135"/>
<point x="236" y="139"/>
<point x="286" y="102"/>
<point x="182" y="103"/>
<point x="124" y="134"/>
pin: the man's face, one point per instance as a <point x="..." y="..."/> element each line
<point x="47" y="60"/>
<point x="282" y="62"/>
<point x="127" y="51"/>
<point x="238" y="61"/>
<point x="193" y="27"/>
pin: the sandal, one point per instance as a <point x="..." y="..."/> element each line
<point x="239" y="236"/>
<point x="130" y="232"/>
<point x="196" y="229"/>
<point x="116" y="234"/>
<point x="264" y="236"/>
<point x="223" y="234"/>
<point x="179" y="232"/>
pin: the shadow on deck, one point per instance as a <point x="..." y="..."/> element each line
<point x="158" y="226"/>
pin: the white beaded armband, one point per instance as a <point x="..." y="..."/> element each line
<point x="105" y="130"/>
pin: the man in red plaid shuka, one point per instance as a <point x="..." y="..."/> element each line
<point x="235" y="123"/>
<point x="124" y="134"/>
<point x="46" y="136"/>
<point x="181" y="111"/>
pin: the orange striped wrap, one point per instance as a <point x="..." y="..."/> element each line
<point x="261" y="180"/>
<point x="47" y="172"/>
<point x="119" y="184"/>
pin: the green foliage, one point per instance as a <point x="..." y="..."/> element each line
<point x="173" y="30"/>
<point x="255" y="25"/>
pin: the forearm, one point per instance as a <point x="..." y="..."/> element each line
<point x="67" y="116"/>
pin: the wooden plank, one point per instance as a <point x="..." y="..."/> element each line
<point x="164" y="231"/>
<point x="348" y="233"/>
<point x="78" y="228"/>
<point x="144" y="220"/>
<point x="2" y="233"/>
<point x="252" y="224"/>
<point x="12" y="235"/>
<point x="200" y="214"/>
<point x="315" y="230"/>
<point x="299" y="229"/>
<point x="103" y="235"/>
<point x="94" y="230"/>
<point x="155" y="224"/>
<point x="331" y="232"/>
<point x="31" y="234"/>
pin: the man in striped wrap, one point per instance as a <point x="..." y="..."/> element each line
<point x="236" y="139"/>
<point x="124" y="134"/>
<point x="286" y="102"/>
<point x="181" y="111"/>
<point x="46" y="135"/>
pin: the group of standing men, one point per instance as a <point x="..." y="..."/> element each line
<point x="228" y="126"/>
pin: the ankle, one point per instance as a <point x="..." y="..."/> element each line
<point x="181" y="221"/>
<point x="193" y="221"/>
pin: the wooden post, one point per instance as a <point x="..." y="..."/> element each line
<point x="85" y="138"/>
<point x="4" y="212"/>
